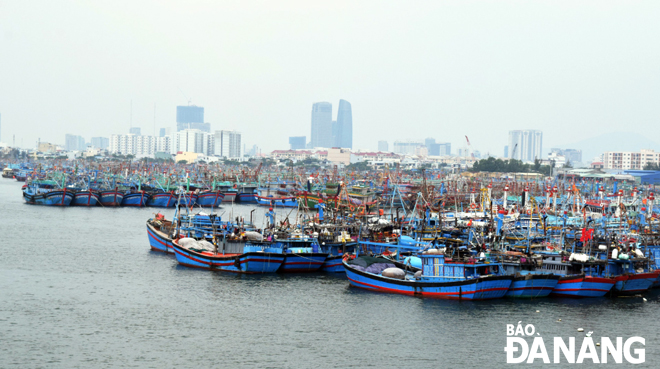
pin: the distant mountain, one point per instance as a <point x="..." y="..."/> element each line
<point x="615" y="141"/>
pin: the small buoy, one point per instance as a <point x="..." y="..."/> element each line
<point x="589" y="333"/>
<point x="597" y="343"/>
<point x="644" y="298"/>
<point x="580" y="329"/>
<point x="559" y="320"/>
<point x="537" y="311"/>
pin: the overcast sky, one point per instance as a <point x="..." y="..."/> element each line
<point x="410" y="69"/>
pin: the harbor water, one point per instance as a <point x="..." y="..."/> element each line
<point x="80" y="288"/>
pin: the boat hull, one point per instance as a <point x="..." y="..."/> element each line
<point x="303" y="262"/>
<point x="249" y="263"/>
<point x="582" y="286"/>
<point x="287" y="202"/>
<point x="159" y="241"/>
<point x="138" y="199"/>
<point x="85" y="198"/>
<point x="333" y="264"/>
<point x="52" y="198"/>
<point x="633" y="284"/>
<point x="110" y="198"/>
<point x="210" y="198"/>
<point x="247" y="197"/>
<point x="482" y="288"/>
<point x="162" y="200"/>
<point x="532" y="285"/>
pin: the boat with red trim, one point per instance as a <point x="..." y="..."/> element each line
<point x="85" y="198"/>
<point x="439" y="277"/>
<point x="255" y="257"/>
<point x="210" y="198"/>
<point x="302" y="255"/>
<point x="109" y="198"/>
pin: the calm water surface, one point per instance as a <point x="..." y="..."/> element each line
<point x="79" y="288"/>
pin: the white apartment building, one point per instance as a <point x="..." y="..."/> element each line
<point x="228" y="144"/>
<point x="194" y="140"/>
<point x="629" y="160"/>
<point x="130" y="144"/>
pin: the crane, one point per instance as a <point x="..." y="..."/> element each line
<point x="469" y="147"/>
<point x="513" y="152"/>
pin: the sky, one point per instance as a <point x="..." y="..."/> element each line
<point x="410" y="69"/>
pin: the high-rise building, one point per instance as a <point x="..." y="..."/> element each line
<point x="345" y="124"/>
<point x="74" y="143"/>
<point x="506" y="151"/>
<point x="164" y="132"/>
<point x="297" y="142"/>
<point x="194" y="140"/>
<point x="135" y="131"/>
<point x="429" y="142"/>
<point x="204" y="127"/>
<point x="321" y="125"/>
<point x="336" y="134"/>
<point x="100" y="142"/>
<point x="188" y="117"/>
<point x="434" y="148"/>
<point x="228" y="144"/>
<point x="525" y="145"/>
<point x="382" y="146"/>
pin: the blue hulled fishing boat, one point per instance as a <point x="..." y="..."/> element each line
<point x="254" y="258"/>
<point x="302" y="256"/>
<point x="46" y="193"/>
<point x="85" y="198"/>
<point x="158" y="232"/>
<point x="137" y="199"/>
<point x="111" y="197"/>
<point x="210" y="198"/>
<point x="162" y="199"/>
<point x="439" y="277"/>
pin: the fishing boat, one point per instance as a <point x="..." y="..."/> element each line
<point x="188" y="198"/>
<point x="44" y="194"/>
<point x="162" y="199"/>
<point x="630" y="278"/>
<point x="135" y="199"/>
<point x="110" y="197"/>
<point x="255" y="257"/>
<point x="8" y="173"/>
<point x="527" y="281"/>
<point x="246" y="194"/>
<point x="439" y="277"/>
<point x="209" y="198"/>
<point x="85" y="198"/>
<point x="271" y="197"/>
<point x="301" y="256"/>
<point x="578" y="277"/>
<point x="158" y="232"/>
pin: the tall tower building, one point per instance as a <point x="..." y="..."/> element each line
<point x="321" y="125"/>
<point x="525" y="145"/>
<point x="345" y="124"/>
<point x="228" y="144"/>
<point x="382" y="146"/>
<point x="189" y="117"/>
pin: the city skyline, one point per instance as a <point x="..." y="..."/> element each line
<point x="265" y="76"/>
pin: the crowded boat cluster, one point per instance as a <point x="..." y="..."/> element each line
<point x="423" y="233"/>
